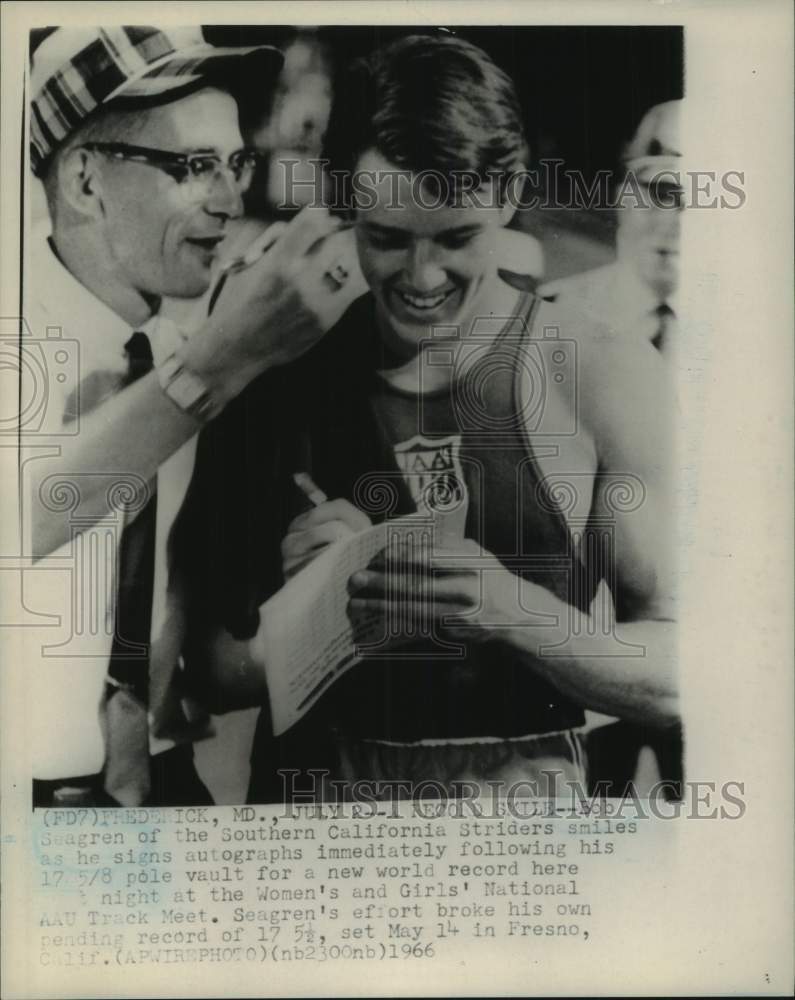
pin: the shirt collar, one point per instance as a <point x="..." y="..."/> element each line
<point x="100" y="331"/>
<point x="637" y="299"/>
<point x="81" y="314"/>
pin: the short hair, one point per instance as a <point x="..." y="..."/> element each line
<point x="108" y="124"/>
<point x="428" y="103"/>
<point x="121" y="120"/>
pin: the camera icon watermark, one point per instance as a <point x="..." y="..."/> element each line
<point x="502" y="380"/>
<point x="39" y="374"/>
<point x="99" y="506"/>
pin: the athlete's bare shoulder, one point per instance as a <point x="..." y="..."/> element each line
<point x="623" y="385"/>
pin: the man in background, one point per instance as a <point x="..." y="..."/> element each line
<point x="135" y="137"/>
<point x="637" y="293"/>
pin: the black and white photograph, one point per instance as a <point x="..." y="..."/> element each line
<point x="405" y="335"/>
<point x="365" y="383"/>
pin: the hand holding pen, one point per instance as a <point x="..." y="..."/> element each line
<point x="307" y="486"/>
<point x="335" y="251"/>
<point x="326" y="522"/>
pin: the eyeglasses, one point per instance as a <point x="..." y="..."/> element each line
<point x="197" y="173"/>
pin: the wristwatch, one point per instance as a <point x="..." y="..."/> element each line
<point x="187" y="390"/>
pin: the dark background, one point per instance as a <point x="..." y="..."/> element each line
<point x="584" y="89"/>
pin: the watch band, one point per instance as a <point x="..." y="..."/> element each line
<point x="187" y="390"/>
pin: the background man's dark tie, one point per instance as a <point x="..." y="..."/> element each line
<point x="665" y="319"/>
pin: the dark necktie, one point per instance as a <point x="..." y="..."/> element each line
<point x="124" y="709"/>
<point x="665" y="317"/>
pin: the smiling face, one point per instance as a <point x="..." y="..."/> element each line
<point x="159" y="239"/>
<point x="425" y="266"/>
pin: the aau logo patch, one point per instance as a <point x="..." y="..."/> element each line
<point x="432" y="470"/>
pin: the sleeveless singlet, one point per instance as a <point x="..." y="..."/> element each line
<point x="365" y="439"/>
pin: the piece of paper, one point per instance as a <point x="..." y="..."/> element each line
<point x="307" y="639"/>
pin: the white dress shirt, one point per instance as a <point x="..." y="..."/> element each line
<point x="77" y="581"/>
<point x="613" y="296"/>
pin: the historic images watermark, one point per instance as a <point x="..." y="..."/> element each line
<point x="384" y="801"/>
<point x="314" y="793"/>
<point x="549" y="186"/>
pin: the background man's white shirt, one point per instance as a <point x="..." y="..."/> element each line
<point x="612" y="296"/>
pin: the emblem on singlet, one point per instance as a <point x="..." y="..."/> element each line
<point x="433" y="473"/>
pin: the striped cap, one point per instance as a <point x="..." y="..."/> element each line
<point x="75" y="70"/>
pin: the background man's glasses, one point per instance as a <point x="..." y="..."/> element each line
<point x="196" y="172"/>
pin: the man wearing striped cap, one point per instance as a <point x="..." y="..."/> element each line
<point x="134" y="135"/>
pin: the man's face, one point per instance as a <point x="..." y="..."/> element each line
<point x="648" y="240"/>
<point x="425" y="266"/>
<point x="161" y="239"/>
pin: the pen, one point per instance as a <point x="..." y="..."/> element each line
<point x="262" y="244"/>
<point x="258" y="248"/>
<point x="311" y="491"/>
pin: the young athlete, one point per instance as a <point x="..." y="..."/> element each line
<point x="451" y="379"/>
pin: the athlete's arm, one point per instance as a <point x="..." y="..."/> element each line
<point x="624" y="668"/>
<point x="223" y="673"/>
<point x="627" y="407"/>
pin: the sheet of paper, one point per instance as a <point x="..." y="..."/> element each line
<point x="306" y="638"/>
